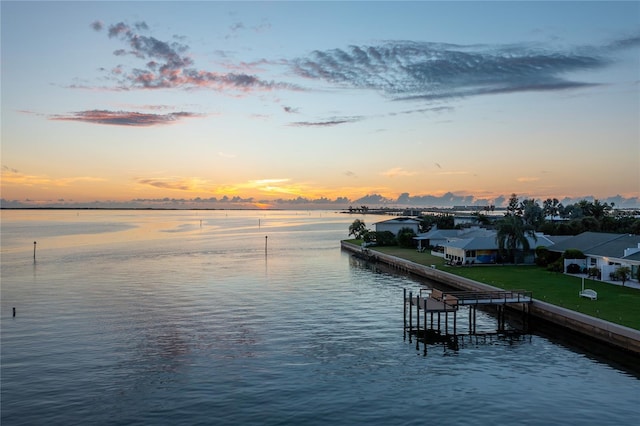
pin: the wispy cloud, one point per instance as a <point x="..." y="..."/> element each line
<point x="326" y="123"/>
<point x="453" y="173"/>
<point x="168" y="65"/>
<point x="406" y="70"/>
<point x="124" y="118"/>
<point x="11" y="176"/>
<point x="397" y="172"/>
<point x="400" y="70"/>
<point x="172" y="183"/>
<point x="525" y="179"/>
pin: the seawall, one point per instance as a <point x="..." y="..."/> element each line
<point x="606" y="332"/>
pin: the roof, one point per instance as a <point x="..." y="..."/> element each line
<point x="583" y="242"/>
<point x="599" y="244"/>
<point x="401" y="220"/>
<point x="478" y="243"/>
<point x="439" y="234"/>
<point x="635" y="257"/>
<point x="557" y="238"/>
<point x="477" y="238"/>
<point x="445" y="234"/>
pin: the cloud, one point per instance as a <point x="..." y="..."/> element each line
<point x="398" y="171"/>
<point x="406" y="70"/>
<point x="401" y="70"/>
<point x="11" y="176"/>
<point x="625" y="43"/>
<point x="525" y="179"/>
<point x="97" y="25"/>
<point x="124" y="118"/>
<point x="178" y="184"/>
<point x="9" y="169"/>
<point x="326" y="123"/>
<point x="167" y="65"/>
<point x="453" y="173"/>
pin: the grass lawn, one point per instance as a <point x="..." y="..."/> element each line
<point x="620" y="305"/>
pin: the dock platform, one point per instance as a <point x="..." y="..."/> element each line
<point x="436" y="302"/>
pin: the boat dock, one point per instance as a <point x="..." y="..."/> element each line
<point x="437" y="308"/>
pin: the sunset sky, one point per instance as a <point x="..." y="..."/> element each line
<point x="319" y="104"/>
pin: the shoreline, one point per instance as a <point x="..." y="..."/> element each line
<point x="618" y="336"/>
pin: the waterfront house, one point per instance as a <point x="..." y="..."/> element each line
<point x="474" y="245"/>
<point x="604" y="251"/>
<point x="483" y="249"/>
<point x="396" y="224"/>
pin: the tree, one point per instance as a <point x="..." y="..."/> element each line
<point x="600" y="210"/>
<point x="551" y="207"/>
<point x="445" y="221"/>
<point x="532" y="213"/>
<point x="511" y="234"/>
<point x="513" y="207"/>
<point x="357" y="229"/>
<point x="623" y="273"/>
<point x="482" y="219"/>
<point x="405" y="237"/>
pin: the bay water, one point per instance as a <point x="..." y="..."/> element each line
<point x="218" y="317"/>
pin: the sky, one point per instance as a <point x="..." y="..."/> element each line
<point x="318" y="104"/>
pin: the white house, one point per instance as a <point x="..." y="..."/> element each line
<point x="484" y="249"/>
<point x="440" y="237"/>
<point x="474" y="245"/>
<point x="604" y="251"/>
<point x="396" y="224"/>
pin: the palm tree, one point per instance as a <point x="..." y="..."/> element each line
<point x="511" y="234"/>
<point x="357" y="229"/>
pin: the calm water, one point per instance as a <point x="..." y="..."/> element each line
<point x="179" y="317"/>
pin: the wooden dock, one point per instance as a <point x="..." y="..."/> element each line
<point x="432" y="305"/>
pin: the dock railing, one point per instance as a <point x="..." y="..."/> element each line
<point x="484" y="297"/>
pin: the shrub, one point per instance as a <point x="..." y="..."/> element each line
<point x="405" y="238"/>
<point x="573" y="268"/>
<point x="574" y="254"/>
<point x="385" y="238"/>
<point x="542" y="256"/>
<point x="555" y="266"/>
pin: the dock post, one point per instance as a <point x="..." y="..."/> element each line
<point x="446" y="321"/>
<point x="417" y="321"/>
<point x="410" y="315"/>
<point x="525" y="319"/>
<point x="424" y="340"/>
<point x="455" y="314"/>
<point x="404" y="312"/>
<point x="475" y="319"/>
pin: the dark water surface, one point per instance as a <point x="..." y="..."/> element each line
<point x="179" y="317"/>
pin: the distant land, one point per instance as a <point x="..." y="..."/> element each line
<point x="374" y="201"/>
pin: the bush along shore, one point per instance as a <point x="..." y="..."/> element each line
<point x="614" y="318"/>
